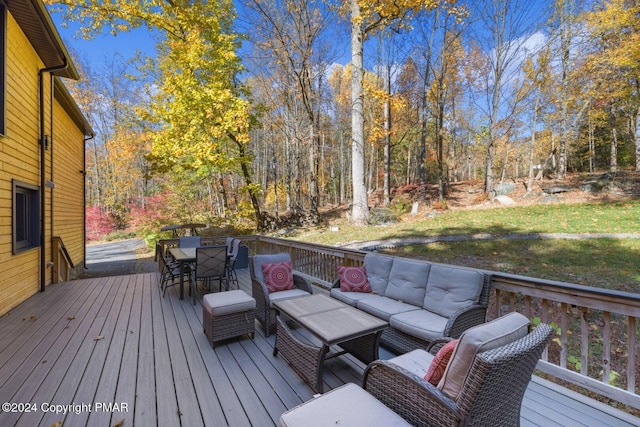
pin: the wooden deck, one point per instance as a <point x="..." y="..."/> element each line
<point x="112" y="351"/>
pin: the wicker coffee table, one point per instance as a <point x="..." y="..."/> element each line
<point x="331" y="323"/>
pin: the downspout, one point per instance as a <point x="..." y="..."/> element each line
<point x="51" y="163"/>
<point x="43" y="148"/>
<point x="84" y="198"/>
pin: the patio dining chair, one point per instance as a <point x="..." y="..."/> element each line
<point x="190" y="241"/>
<point x="169" y="271"/>
<point x="231" y="263"/>
<point x="211" y="264"/>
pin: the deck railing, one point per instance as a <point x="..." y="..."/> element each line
<point x="62" y="262"/>
<point x="596" y="347"/>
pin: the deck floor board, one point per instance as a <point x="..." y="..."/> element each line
<point x="117" y="340"/>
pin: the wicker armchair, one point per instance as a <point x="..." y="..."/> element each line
<point x="264" y="311"/>
<point x="490" y="395"/>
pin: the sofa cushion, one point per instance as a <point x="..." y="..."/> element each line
<point x="383" y="307"/>
<point x="421" y="324"/>
<point x="378" y="268"/>
<point x="258" y="260"/>
<point x="350" y="298"/>
<point x="417" y="362"/>
<point x="278" y="276"/>
<point x="439" y="363"/>
<point x="353" y="279"/>
<point x="450" y="288"/>
<point x="408" y="281"/>
<point x="282" y="295"/>
<point x="478" y="339"/>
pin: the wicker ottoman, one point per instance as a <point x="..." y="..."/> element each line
<point x="227" y="315"/>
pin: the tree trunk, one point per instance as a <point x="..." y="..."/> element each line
<point x="387" y="139"/>
<point x="637" y="138"/>
<point x="614" y="151"/>
<point x="532" y="151"/>
<point x="244" y="165"/>
<point x="488" y="167"/>
<point x="360" y="208"/>
<point x="592" y="147"/>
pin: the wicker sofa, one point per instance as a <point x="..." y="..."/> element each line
<point x="422" y="301"/>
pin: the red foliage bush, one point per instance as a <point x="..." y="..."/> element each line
<point x="153" y="215"/>
<point x="98" y="223"/>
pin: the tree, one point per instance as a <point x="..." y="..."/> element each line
<point x="199" y="115"/>
<point x="292" y="33"/>
<point x="508" y="26"/>
<point x="117" y="169"/>
<point x="615" y="29"/>
<point x="536" y="84"/>
<point x="366" y="18"/>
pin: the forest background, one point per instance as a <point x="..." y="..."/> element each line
<point x="244" y="116"/>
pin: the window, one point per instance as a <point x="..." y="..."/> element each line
<point x="3" y="67"/>
<point x="26" y="214"/>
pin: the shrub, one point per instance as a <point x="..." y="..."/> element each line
<point x="382" y="216"/>
<point x="401" y="204"/>
<point x="98" y="223"/>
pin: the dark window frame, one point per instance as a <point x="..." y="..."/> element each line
<point x="3" y="69"/>
<point x="25" y="222"/>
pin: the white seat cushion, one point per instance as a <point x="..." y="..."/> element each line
<point x="417" y="362"/>
<point x="222" y="303"/>
<point x="282" y="295"/>
<point x="348" y="405"/>
<point x="422" y="324"/>
<point x="383" y="307"/>
<point x="350" y="298"/>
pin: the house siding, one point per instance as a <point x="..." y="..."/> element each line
<point x="20" y="160"/>
<point x="19" y="154"/>
<point x="68" y="177"/>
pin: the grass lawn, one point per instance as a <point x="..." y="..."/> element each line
<point x="607" y="262"/>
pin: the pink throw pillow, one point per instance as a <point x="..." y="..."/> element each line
<point x="353" y="279"/>
<point x="278" y="276"/>
<point x="439" y="363"/>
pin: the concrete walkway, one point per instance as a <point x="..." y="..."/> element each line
<point x="118" y="258"/>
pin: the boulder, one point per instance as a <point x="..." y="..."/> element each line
<point x="503" y="188"/>
<point x="504" y="200"/>
<point x="557" y="189"/>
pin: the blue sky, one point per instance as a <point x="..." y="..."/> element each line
<point x="104" y="46"/>
<point x="101" y="49"/>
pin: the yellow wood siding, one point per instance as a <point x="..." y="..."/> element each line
<point x="20" y="160"/>
<point x="68" y="200"/>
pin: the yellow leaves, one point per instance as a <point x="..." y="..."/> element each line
<point x="617" y="25"/>
<point x="381" y="13"/>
